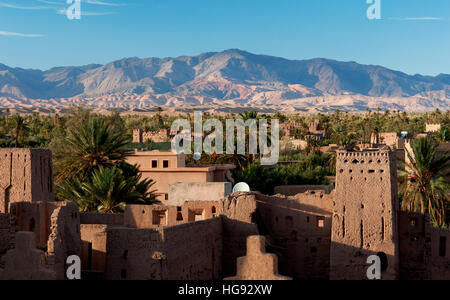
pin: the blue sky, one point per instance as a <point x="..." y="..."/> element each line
<point x="413" y="36"/>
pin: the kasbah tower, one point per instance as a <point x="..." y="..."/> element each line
<point x="364" y="214"/>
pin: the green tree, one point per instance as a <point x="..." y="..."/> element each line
<point x="96" y="144"/>
<point x="20" y="129"/>
<point x="423" y="185"/>
<point x="108" y="191"/>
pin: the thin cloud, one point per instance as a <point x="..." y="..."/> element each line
<point x="8" y="5"/>
<point x="97" y="2"/>
<point x="93" y="2"/>
<point x="418" y="19"/>
<point x="17" y="34"/>
<point x="52" y="2"/>
<point x="89" y="13"/>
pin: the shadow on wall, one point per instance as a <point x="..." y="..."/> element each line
<point x="300" y="235"/>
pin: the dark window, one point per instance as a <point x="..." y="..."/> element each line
<point x="166" y="197"/>
<point x="165" y="164"/>
<point x="154" y="163"/>
<point x="442" y="246"/>
<point x="384" y="261"/>
<point x="89" y="256"/>
<point x="32" y="225"/>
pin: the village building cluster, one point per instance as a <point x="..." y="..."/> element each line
<point x="205" y="232"/>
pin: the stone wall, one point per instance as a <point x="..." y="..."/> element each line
<point x="26" y="176"/>
<point x="100" y="218"/>
<point x="414" y="246"/>
<point x="298" y="230"/>
<point x="158" y="254"/>
<point x="141" y="136"/>
<point x="157" y="216"/>
<point x="292" y="190"/>
<point x="424" y="250"/>
<point x="181" y="192"/>
<point x="25" y="262"/>
<point x="238" y="213"/>
<point x="439" y="266"/>
<point x="65" y="237"/>
<point x="6" y="233"/>
<point x="93" y="247"/>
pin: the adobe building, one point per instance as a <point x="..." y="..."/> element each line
<point x="166" y="168"/>
<point x="364" y="214"/>
<point x="315" y="128"/>
<point x="314" y="234"/>
<point x="431" y="128"/>
<point x="26" y="176"/>
<point x="141" y="136"/>
<point x="391" y="139"/>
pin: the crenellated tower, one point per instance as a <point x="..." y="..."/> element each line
<point x="364" y="214"/>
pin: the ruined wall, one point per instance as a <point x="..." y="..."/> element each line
<point x="141" y="136"/>
<point x="181" y="192"/>
<point x="25" y="262"/>
<point x="157" y="216"/>
<point x="424" y="250"/>
<point x="298" y="230"/>
<point x="238" y="213"/>
<point x="65" y="238"/>
<point x="93" y="247"/>
<point x="439" y="266"/>
<point x="414" y="246"/>
<point x="100" y="218"/>
<point x="26" y="176"/>
<point x="189" y="251"/>
<point x="33" y="217"/>
<point x="364" y="214"/>
<point x="56" y="226"/>
<point x="292" y="190"/>
<point x="7" y="230"/>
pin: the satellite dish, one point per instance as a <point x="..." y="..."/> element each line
<point x="241" y="187"/>
<point x="197" y="156"/>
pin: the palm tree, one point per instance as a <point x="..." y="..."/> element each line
<point x="111" y="190"/>
<point x="423" y="184"/>
<point x="96" y="144"/>
<point x="20" y="129"/>
<point x="108" y="191"/>
<point x="313" y="144"/>
<point x="249" y="115"/>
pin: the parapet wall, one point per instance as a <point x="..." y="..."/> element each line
<point x="100" y="218"/>
<point x="181" y="192"/>
<point x="292" y="190"/>
<point x="157" y="216"/>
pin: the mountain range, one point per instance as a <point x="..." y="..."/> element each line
<point x="231" y="78"/>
